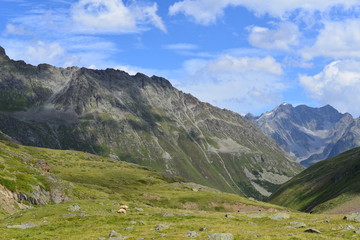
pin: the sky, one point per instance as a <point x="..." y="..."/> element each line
<point x="242" y="55"/>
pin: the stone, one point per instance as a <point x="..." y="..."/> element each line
<point x="23" y="226"/>
<point x="349" y="227"/>
<point x="128" y="228"/>
<point x="256" y="236"/>
<point x="228" y="215"/>
<point x="132" y="222"/>
<point x="279" y="216"/>
<point x="191" y="234"/>
<point x="220" y="236"/>
<point x="113" y="235"/>
<point x="162" y="226"/>
<point x="139" y="209"/>
<point x="256" y="215"/>
<point x="74" y="208"/>
<point x="312" y="230"/>
<point x="141" y="223"/>
<point x="354" y="217"/>
<point x="166" y="214"/>
<point x="182" y="214"/>
<point x="298" y="224"/>
<point x="82" y="214"/>
<point x="202" y="229"/>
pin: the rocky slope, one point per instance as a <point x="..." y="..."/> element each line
<point x="138" y="119"/>
<point x="308" y="134"/>
<point x="331" y="185"/>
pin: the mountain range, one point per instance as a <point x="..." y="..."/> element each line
<point x="138" y="119"/>
<point x="309" y="134"/>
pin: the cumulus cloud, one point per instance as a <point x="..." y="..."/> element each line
<point x="39" y="52"/>
<point x="112" y="16"/>
<point x="282" y="37"/>
<point x="338" y="85"/>
<point x="336" y="40"/>
<point x="208" y="11"/>
<point x="244" y="84"/>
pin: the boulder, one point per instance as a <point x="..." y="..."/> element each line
<point x="191" y="234"/>
<point x="220" y="236"/>
<point x="354" y="217"/>
<point x="312" y="230"/>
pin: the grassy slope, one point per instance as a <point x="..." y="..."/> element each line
<point x="100" y="184"/>
<point x="328" y="184"/>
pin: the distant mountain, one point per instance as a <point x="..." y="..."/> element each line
<point x="331" y="186"/>
<point x="138" y="119"/>
<point x="308" y="134"/>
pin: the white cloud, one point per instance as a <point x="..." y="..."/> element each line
<point x="12" y="29"/>
<point x="112" y="16"/>
<point x="243" y="84"/>
<point x="62" y="53"/>
<point x="181" y="46"/>
<point x="284" y="35"/>
<point x="336" y="40"/>
<point x="230" y="64"/>
<point x="338" y="85"/>
<point x="40" y="52"/>
<point x="129" y="69"/>
<point x="208" y="11"/>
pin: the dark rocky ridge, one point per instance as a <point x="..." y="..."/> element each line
<point x="310" y="134"/>
<point x="138" y="119"/>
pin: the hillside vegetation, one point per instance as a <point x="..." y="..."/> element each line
<point x="332" y="186"/>
<point x="75" y="195"/>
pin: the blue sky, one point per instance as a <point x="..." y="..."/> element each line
<point x="243" y="55"/>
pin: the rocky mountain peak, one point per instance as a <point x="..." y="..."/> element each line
<point x="309" y="134"/>
<point x="3" y="53"/>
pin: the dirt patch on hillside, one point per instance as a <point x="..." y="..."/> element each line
<point x="346" y="208"/>
<point x="190" y="206"/>
<point x="153" y="197"/>
<point x="238" y="207"/>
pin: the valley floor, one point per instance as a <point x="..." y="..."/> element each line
<point x="95" y="219"/>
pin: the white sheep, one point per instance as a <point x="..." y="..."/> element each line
<point x="126" y="207"/>
<point x="121" y="210"/>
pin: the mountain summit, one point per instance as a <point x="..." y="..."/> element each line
<point x="310" y="134"/>
<point x="142" y="120"/>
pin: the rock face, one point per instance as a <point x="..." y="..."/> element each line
<point x="310" y="134"/>
<point x="138" y="119"/>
